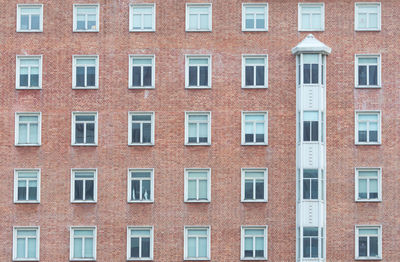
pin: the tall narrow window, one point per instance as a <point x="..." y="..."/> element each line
<point x="368" y="127"/>
<point x="27" y="129"/>
<point x="368" y="71"/>
<point x="198" y="128"/>
<point x="254" y="185"/>
<point x="368" y="17"/>
<point x="254" y="242"/>
<point x="29" y="18"/>
<point x="310" y="126"/>
<point x="310" y="242"/>
<point x="26" y="186"/>
<point x="84" y="185"/>
<point x="83" y="243"/>
<point x="142" y="17"/>
<point x="29" y="72"/>
<point x="85" y="75"/>
<point x="254" y="128"/>
<point x="310" y="68"/>
<point x="141" y="71"/>
<point x="86" y="18"/>
<point x="140" y="243"/>
<point x="254" y="72"/>
<point x="311" y="17"/>
<point x="198" y="17"/>
<point x="310" y="184"/>
<point x="368" y="184"/>
<point x="255" y="17"/>
<point x="197" y="243"/>
<point x="141" y="128"/>
<point x="26" y="244"/>
<point x="368" y="242"/>
<point x="198" y="72"/>
<point x="140" y="185"/>
<point x="84" y="128"/>
<point x="197" y="185"/>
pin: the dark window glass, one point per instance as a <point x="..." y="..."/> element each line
<point x="91" y="24"/>
<point x="249" y="138"/>
<point x="90" y="133"/>
<point x="260" y="23"/>
<point x="373" y="195"/>
<point x="362" y="136"/>
<point x="204" y="75"/>
<point x="135" y="190"/>
<point x="314" y="247"/>
<point x="24" y="22"/>
<point x="134" y="247"/>
<point x="192" y="140"/>
<point x="78" y="190"/>
<point x="373" y="136"/>
<point x="306" y="75"/>
<point x="306" y="189"/>
<point x="80" y="76"/>
<point x="22" y="193"/>
<point x="192" y="75"/>
<point x="147" y="76"/>
<point x="259" y="252"/>
<point x="203" y="139"/>
<point x="260" y="72"/>
<point x="32" y="193"/>
<point x="89" y="190"/>
<point x="373" y="246"/>
<point x="135" y="133"/>
<point x="146" y="190"/>
<point x="314" y="189"/>
<point x="249" y="75"/>
<point x="362" y="246"/>
<point x="34" y="80"/>
<point x="314" y="132"/>
<point x="259" y="137"/>
<point x="248" y="189"/>
<point x="35" y="22"/>
<point x="146" y="132"/>
<point x="306" y="247"/>
<point x="362" y="195"/>
<point x="362" y="75"/>
<point x="259" y="189"/>
<point x="136" y="71"/>
<point x="306" y="131"/>
<point x="79" y="132"/>
<point x="80" y="25"/>
<point x="373" y="75"/>
<point x="315" y="73"/>
<point x="146" y="247"/>
<point x="248" y="253"/>
<point x="23" y="80"/>
<point x="249" y="23"/>
<point x="91" y="76"/>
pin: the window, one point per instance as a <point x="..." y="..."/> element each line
<point x="83" y="185"/>
<point x="198" y="17"/>
<point x="140" y="185"/>
<point x="141" y="128"/>
<point x="310" y="126"/>
<point x="83" y="243"/>
<point x="255" y="74"/>
<point x="254" y="128"/>
<point x="254" y="243"/>
<point x="85" y="72"/>
<point x="368" y="184"/>
<point x="29" y="72"/>
<point x="29" y="18"/>
<point x="368" y="242"/>
<point x="198" y="128"/>
<point x="197" y="243"/>
<point x="27" y="186"/>
<point x="27" y="129"/>
<point x="142" y="18"/>
<point x="84" y="128"/>
<point x="255" y="17"/>
<point x="311" y="17"/>
<point x="255" y="185"/>
<point x="368" y="16"/>
<point x="310" y="242"/>
<point x="310" y="66"/>
<point x="197" y="185"/>
<point x="310" y="184"/>
<point x="140" y="243"/>
<point x="198" y="71"/>
<point x="141" y="71"/>
<point x="86" y="18"/>
<point x="368" y="127"/>
<point x="368" y="70"/>
<point x="26" y="244"/>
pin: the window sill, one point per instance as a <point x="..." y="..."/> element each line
<point x="254" y="144"/>
<point x="26" y="202"/>
<point x="192" y="259"/>
<point x="197" y="201"/>
<point x="94" y="145"/>
<point x="27" y="144"/>
<point x="198" y="144"/>
<point x="140" y="201"/>
<point x="85" y="88"/>
<point x="198" y="30"/>
<point x="82" y="259"/>
<point x="85" y="31"/>
<point x="367" y="144"/>
<point x="255" y="87"/>
<point x="144" y="144"/>
<point x="25" y="259"/>
<point x="197" y="87"/>
<point x="254" y="201"/>
<point x="142" y="30"/>
<point x="255" y="30"/>
<point x="29" y="31"/>
<point x="255" y="258"/>
<point x="83" y="202"/>
<point x="28" y="88"/>
<point x="140" y="87"/>
<point x="368" y="201"/>
<point x="368" y="87"/>
<point x="367" y="29"/>
<point x="139" y="259"/>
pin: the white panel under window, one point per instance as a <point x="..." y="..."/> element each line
<point x="311" y="17"/>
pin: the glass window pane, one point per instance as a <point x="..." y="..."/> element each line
<point x="260" y="21"/>
<point x="249" y="21"/>
<point x="260" y="75"/>
<point x="204" y="21"/>
<point x="192" y="21"/>
<point x="197" y="232"/>
<point x="203" y="75"/>
<point x="259" y="189"/>
<point x="306" y="247"/>
<point x="202" y="247"/>
<point x="35" y="22"/>
<point x="192" y="75"/>
<point x="78" y="248"/>
<point x="203" y="133"/>
<point x="314" y="189"/>
<point x="88" y="247"/>
<point x="146" y="190"/>
<point x="24" y="22"/>
<point x="145" y="247"/>
<point x="90" y="133"/>
<point x="370" y="117"/>
<point x="21" y="248"/>
<point x="249" y="75"/>
<point x="248" y="189"/>
<point x="373" y="246"/>
<point x="368" y="60"/>
<point x="310" y="231"/>
<point x="33" y="134"/>
<point x="362" y="75"/>
<point x="146" y="132"/>
<point x="259" y="246"/>
<point x="84" y="117"/>
<point x="306" y="189"/>
<point x="315" y="73"/>
<point x="135" y="133"/>
<point x="91" y="76"/>
<point x="260" y="132"/>
<point x="307" y="131"/>
<point x="362" y="188"/>
<point x="23" y="76"/>
<point x="306" y="75"/>
<point x="22" y="190"/>
<point x="91" y="23"/>
<point x="310" y="58"/>
<point x="134" y="247"/>
<point x="305" y="21"/>
<point x="80" y="22"/>
<point x="373" y="21"/>
<point x="362" y="246"/>
<point x="373" y="136"/>
<point x="373" y="75"/>
<point x="192" y="191"/>
<point x="80" y="76"/>
<point x="192" y="134"/>
<point x="32" y="190"/>
<point x="23" y="134"/>
<point x="89" y="190"/>
<point x="148" y="21"/>
<point x="254" y="117"/>
<point x="141" y="174"/>
<point x="362" y="136"/>
<point x="34" y="77"/>
<point x="314" y="247"/>
<point x="137" y="21"/>
<point x="147" y="76"/>
<point x="203" y="190"/>
<point x="31" y="247"/>
<point x="314" y="131"/>
<point x="248" y="247"/>
<point x="362" y="20"/>
<point x="78" y="189"/>
<point x="135" y="190"/>
<point x="316" y="21"/>
<point x="191" y="247"/>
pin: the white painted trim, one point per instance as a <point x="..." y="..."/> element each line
<point x="187" y="113"/>
<point x="320" y="4"/>
<point x="357" y="112"/>
<point x="96" y="129"/>
<point x="356" y="4"/>
<point x="186" y="171"/>
<point x="128" y="242"/>
<point x="209" y="5"/>
<point x="356" y="229"/>
<point x="38" y="171"/>
<point x="129" y="189"/>
<point x="131" y="6"/>
<point x="186" y="228"/>
<point x="19" y="6"/>
<point x="187" y="57"/>
<point x="74" y="58"/>
<point x="39" y="114"/>
<point x="242" y="235"/>
<point x="265" y="113"/>
<point x="379" y="70"/>
<point x="243" y="173"/>
<point x="73" y="170"/>
<point x="356" y="172"/>
<point x="71" y="241"/>
<point x="74" y="27"/>
<point x="15" y="229"/>
<point x="264" y="56"/>
<point x="153" y="69"/>
<point x="18" y="67"/>
<point x="260" y="5"/>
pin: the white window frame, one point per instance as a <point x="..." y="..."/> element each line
<point x="379" y="227"/>
<point x="185" y="254"/>
<point x="16" y="179"/>
<point x="129" y="185"/>
<point x="265" y="113"/>
<point x="260" y="5"/>
<point x="96" y="128"/>
<point x="39" y="115"/>
<point x="128" y="243"/>
<point x="244" y="57"/>
<point x="74" y="65"/>
<point x="75" y="18"/>
<point x="356" y="63"/>
<point x="18" y="70"/>
<point x="187" y="58"/>
<point x="187" y="113"/>
<point x="208" y="170"/>
<point x="15" y="229"/>
<point x="73" y="171"/>
<point x="379" y="177"/>
<point x="130" y="114"/>
<point x="357" y="113"/>
<point x="21" y="6"/>
<point x="356" y="5"/>
<point x="243" y="177"/>
<point x="153" y="69"/>
<point x="209" y="5"/>
<point x="242" y="245"/>
<point x="131" y="7"/>
<point x="300" y="22"/>
<point x="71" y="242"/>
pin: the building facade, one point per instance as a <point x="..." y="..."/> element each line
<point x="172" y="130"/>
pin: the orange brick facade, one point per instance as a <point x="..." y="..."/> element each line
<point x="225" y="214"/>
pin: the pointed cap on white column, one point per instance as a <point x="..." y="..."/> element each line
<point x="311" y="45"/>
